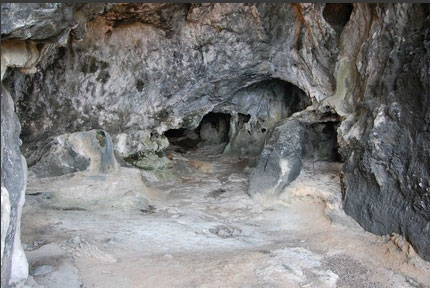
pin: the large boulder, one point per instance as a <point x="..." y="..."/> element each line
<point x="81" y="151"/>
<point x="280" y="162"/>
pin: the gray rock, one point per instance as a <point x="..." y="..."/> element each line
<point x="14" y="266"/>
<point x="46" y="22"/>
<point x="209" y="67"/>
<point x="280" y="162"/>
<point x="42" y="270"/>
<point x="91" y="150"/>
<point x="257" y="109"/>
<point x="385" y="142"/>
<point x="225" y="231"/>
<point x="35" y="20"/>
<point x="154" y="67"/>
<point x="215" y="131"/>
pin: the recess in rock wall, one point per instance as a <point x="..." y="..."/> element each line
<point x="337" y="14"/>
<point x="257" y="109"/>
<point x="321" y="144"/>
<point x="212" y="130"/>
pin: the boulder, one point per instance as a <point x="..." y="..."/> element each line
<point x="82" y="151"/>
<point x="280" y="162"/>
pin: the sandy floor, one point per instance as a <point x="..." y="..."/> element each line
<point x="202" y="230"/>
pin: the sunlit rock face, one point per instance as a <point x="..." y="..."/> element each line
<point x="138" y="70"/>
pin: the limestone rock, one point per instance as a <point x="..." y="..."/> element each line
<point x="19" y="54"/>
<point x="280" y="162"/>
<point x="90" y="150"/>
<point x="385" y="142"/>
<point x="141" y="69"/>
<point x="122" y="189"/>
<point x="170" y="75"/>
<point x="5" y="218"/>
<point x="34" y="20"/>
<point x="14" y="269"/>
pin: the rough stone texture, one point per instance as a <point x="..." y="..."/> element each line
<point x="141" y="69"/>
<point x="385" y="142"/>
<point x="82" y="151"/>
<point x="14" y="267"/>
<point x="20" y="54"/>
<point x="5" y="218"/>
<point x="49" y="25"/>
<point x="34" y="20"/>
<point x="214" y="128"/>
<point x="45" y="22"/>
<point x="122" y="189"/>
<point x="257" y="110"/>
<point x="280" y="162"/>
<point x="135" y="75"/>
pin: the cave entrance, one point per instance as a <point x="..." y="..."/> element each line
<point x="213" y="130"/>
<point x="321" y="143"/>
<point x="337" y="15"/>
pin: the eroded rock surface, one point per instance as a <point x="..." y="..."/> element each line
<point x="14" y="267"/>
<point x="82" y="151"/>
<point x="138" y="70"/>
<point x="385" y="141"/>
<point x="280" y="162"/>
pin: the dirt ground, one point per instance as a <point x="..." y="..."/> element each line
<point x="201" y="229"/>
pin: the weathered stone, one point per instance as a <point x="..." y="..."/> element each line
<point x="208" y="58"/>
<point x="5" y="218"/>
<point x="385" y="142"/>
<point x="34" y="20"/>
<point x="139" y="70"/>
<point x="148" y="161"/>
<point x="214" y="128"/>
<point x="122" y="189"/>
<point x="280" y="162"/>
<point x="91" y="151"/>
<point x="257" y="110"/>
<point x="19" y="54"/>
<point x="14" y="267"/>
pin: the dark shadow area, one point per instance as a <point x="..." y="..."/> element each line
<point x="242" y="119"/>
<point x="270" y="99"/>
<point x="337" y="14"/>
<point x="212" y="130"/>
<point x="321" y="142"/>
<point x="257" y="110"/>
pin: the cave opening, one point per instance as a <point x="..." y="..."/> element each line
<point x="337" y="14"/>
<point x="321" y="143"/>
<point x="213" y="130"/>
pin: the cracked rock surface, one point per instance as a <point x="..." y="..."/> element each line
<point x="353" y="78"/>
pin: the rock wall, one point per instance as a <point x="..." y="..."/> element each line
<point x="137" y="70"/>
<point x="14" y="267"/>
<point x="280" y="162"/>
<point x="167" y="65"/>
<point x="385" y="141"/>
<point x="27" y="31"/>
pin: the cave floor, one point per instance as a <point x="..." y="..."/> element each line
<point x="205" y="231"/>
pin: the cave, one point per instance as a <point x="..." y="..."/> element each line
<point x="257" y="109"/>
<point x="213" y="129"/>
<point x="321" y="143"/>
<point x="215" y="145"/>
<point x="337" y="14"/>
